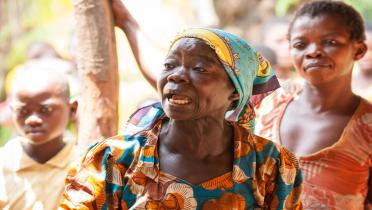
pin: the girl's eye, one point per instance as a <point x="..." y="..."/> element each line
<point x="331" y="42"/>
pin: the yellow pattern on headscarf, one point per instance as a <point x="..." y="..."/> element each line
<point x="219" y="44"/>
<point x="263" y="66"/>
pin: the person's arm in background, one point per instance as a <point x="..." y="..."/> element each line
<point x="143" y="50"/>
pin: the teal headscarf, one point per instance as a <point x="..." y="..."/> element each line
<point x="250" y="73"/>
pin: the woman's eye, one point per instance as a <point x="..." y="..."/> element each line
<point x="168" y="66"/>
<point x="298" y="45"/>
<point x="200" y="69"/>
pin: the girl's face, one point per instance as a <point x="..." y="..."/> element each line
<point x="321" y="49"/>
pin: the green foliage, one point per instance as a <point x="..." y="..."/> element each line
<point x="282" y="7"/>
<point x="23" y="22"/>
<point x="17" y="54"/>
<point x="5" y="135"/>
<point x="37" y="14"/>
<point x="363" y="6"/>
<point x="27" y="21"/>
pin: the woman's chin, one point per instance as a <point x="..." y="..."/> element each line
<point x="177" y="115"/>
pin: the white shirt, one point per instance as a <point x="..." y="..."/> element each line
<point x="29" y="184"/>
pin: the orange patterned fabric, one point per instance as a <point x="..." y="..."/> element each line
<point x="335" y="177"/>
<point x="123" y="172"/>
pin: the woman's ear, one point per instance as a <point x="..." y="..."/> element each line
<point x="234" y="96"/>
<point x="361" y="49"/>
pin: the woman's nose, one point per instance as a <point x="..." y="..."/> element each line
<point x="178" y="76"/>
<point x="33" y="120"/>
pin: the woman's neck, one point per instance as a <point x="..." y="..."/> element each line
<point x="335" y="96"/>
<point x="200" y="138"/>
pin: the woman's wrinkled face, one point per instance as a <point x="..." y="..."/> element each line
<point x="193" y="83"/>
<point x="321" y="48"/>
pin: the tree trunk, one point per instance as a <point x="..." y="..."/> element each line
<point x="97" y="66"/>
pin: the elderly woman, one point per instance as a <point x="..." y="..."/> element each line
<point x="195" y="149"/>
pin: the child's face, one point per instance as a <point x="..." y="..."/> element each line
<point x="321" y="49"/>
<point x="40" y="112"/>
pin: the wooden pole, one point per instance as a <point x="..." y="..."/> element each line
<point x="97" y="66"/>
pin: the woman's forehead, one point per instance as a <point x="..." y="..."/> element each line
<point x="194" y="46"/>
<point x="190" y="43"/>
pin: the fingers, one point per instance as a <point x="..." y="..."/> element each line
<point x="120" y="12"/>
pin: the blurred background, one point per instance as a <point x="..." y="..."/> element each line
<point x="36" y="28"/>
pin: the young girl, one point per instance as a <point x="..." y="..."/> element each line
<point x="324" y="123"/>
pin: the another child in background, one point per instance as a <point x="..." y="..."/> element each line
<point x="35" y="163"/>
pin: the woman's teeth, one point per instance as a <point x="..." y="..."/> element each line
<point x="181" y="100"/>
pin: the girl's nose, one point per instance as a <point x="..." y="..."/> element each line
<point x="314" y="51"/>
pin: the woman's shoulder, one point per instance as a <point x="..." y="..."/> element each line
<point x="143" y="119"/>
<point x="264" y="151"/>
<point x="280" y="163"/>
<point x="271" y="108"/>
<point x="362" y="117"/>
<point x="274" y="171"/>
<point x="269" y="149"/>
<point x="125" y="146"/>
<point x="365" y="106"/>
<point x="361" y="122"/>
<point x="119" y="147"/>
<point x="287" y="91"/>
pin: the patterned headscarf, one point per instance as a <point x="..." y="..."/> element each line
<point x="249" y="71"/>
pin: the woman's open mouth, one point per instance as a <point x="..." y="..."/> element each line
<point x="178" y="99"/>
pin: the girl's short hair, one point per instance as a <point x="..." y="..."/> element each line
<point x="349" y="17"/>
